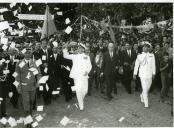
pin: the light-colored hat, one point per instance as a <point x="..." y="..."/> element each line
<point x="82" y="45"/>
<point x="146" y="43"/>
<point x="73" y="43"/>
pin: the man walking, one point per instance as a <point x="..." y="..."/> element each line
<point x="109" y="68"/>
<point x="79" y="72"/>
<point x="146" y="64"/>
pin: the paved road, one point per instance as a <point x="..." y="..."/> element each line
<point x="101" y="113"/>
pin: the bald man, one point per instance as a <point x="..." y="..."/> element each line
<point x="109" y="70"/>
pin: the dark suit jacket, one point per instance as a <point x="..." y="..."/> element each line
<point x="4" y="85"/>
<point x="66" y="62"/>
<point x="126" y="58"/>
<point x="157" y="61"/>
<point x="36" y="54"/>
<point x="92" y="59"/>
<point x="109" y="65"/>
<point x="54" y="66"/>
<point x="41" y="54"/>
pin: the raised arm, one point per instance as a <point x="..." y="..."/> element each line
<point x="67" y="55"/>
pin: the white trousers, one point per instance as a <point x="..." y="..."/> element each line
<point x="81" y="87"/>
<point x="146" y="84"/>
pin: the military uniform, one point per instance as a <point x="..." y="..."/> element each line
<point x="146" y="64"/>
<point x="81" y="64"/>
<point x="27" y="83"/>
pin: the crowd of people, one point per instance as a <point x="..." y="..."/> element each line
<point x="82" y="66"/>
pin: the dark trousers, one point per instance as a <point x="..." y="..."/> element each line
<point x="3" y="95"/>
<point x="90" y="82"/>
<point x="165" y="84"/>
<point x="14" y="99"/>
<point x="156" y="83"/>
<point x="110" y="83"/>
<point x="3" y="107"/>
<point x="137" y="83"/>
<point x="99" y="80"/>
<point x="47" y="94"/>
<point x="127" y="78"/>
<point x="67" y="84"/>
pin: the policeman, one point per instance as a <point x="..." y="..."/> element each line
<point x="146" y="64"/>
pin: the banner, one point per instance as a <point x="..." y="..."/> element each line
<point x="32" y="17"/>
<point x="49" y="27"/>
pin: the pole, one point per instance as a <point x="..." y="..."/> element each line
<point x="81" y="23"/>
<point x="47" y="9"/>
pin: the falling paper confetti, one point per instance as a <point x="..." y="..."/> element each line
<point x="68" y="30"/>
<point x="121" y="119"/>
<point x="67" y="21"/>
<point x="40" y="108"/>
<point x="64" y="121"/>
<point x="59" y="13"/>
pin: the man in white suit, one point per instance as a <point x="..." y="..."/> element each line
<point x="79" y="72"/>
<point x="146" y="64"/>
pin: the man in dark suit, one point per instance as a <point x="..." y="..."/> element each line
<point x="91" y="73"/>
<point x="44" y="54"/>
<point x="67" y="82"/>
<point x="136" y="48"/>
<point x="5" y="88"/>
<point x="36" y="51"/>
<point x="109" y="68"/>
<point x="54" y="70"/>
<point x="156" y="83"/>
<point x="127" y="61"/>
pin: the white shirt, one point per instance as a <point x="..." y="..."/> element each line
<point x="111" y="54"/>
<point x="45" y="51"/>
<point x="55" y="56"/>
<point x="129" y="52"/>
<point x="146" y="64"/>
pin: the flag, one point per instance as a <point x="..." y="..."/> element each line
<point x="49" y="27"/>
<point x="111" y="32"/>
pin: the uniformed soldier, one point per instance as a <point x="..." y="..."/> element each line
<point x="79" y="72"/>
<point x="146" y="64"/>
<point x="27" y="76"/>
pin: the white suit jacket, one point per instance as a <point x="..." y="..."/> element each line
<point x="81" y="64"/>
<point x="146" y="64"/>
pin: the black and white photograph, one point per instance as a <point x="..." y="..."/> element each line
<point x="86" y="64"/>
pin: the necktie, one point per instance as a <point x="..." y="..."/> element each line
<point x="28" y="64"/>
<point x="111" y="55"/>
<point x="12" y="59"/>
